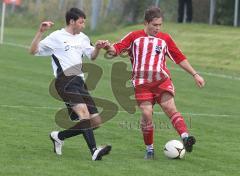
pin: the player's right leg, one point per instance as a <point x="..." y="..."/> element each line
<point x="147" y="128"/>
<point x="145" y="101"/>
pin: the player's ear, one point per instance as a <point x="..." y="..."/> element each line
<point x="72" y="21"/>
<point x="146" y="22"/>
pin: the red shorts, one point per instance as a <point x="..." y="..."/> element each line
<point x="152" y="92"/>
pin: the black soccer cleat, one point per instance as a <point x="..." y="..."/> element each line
<point x="188" y="143"/>
<point x="100" y="152"/>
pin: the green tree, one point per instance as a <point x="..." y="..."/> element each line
<point x="225" y="12"/>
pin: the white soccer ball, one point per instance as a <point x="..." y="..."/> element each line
<point x="174" y="149"/>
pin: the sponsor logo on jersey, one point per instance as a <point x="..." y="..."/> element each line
<point x="158" y="49"/>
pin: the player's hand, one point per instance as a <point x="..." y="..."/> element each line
<point x="107" y="45"/>
<point x="102" y="44"/>
<point x="44" y="26"/>
<point x="199" y="80"/>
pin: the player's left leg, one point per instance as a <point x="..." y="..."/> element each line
<point x="167" y="104"/>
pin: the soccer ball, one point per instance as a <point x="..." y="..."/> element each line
<point x="174" y="149"/>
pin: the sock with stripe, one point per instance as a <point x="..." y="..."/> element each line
<point x="179" y="124"/>
<point x="147" y="131"/>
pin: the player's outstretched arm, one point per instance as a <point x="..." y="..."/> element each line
<point x="44" y="26"/>
<point x="187" y="67"/>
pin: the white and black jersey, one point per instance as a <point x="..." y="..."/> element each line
<point x="67" y="51"/>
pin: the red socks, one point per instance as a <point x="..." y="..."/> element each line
<point x="147" y="130"/>
<point x="178" y="123"/>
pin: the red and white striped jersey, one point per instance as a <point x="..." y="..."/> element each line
<point x="148" y="55"/>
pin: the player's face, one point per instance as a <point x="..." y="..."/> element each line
<point x="153" y="27"/>
<point x="78" y="25"/>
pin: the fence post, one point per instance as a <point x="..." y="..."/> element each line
<point x="236" y="13"/>
<point x="212" y="11"/>
<point x="2" y="22"/>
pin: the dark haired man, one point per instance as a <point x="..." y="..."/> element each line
<point x="67" y="47"/>
<point x="151" y="78"/>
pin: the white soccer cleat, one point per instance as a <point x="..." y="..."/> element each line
<point x="57" y="143"/>
<point x="100" y="152"/>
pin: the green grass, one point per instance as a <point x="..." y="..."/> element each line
<point x="26" y="150"/>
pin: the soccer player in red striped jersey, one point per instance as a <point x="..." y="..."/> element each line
<point x="148" y="50"/>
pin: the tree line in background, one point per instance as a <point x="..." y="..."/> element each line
<point x="110" y="13"/>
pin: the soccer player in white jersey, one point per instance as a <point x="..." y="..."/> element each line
<point x="148" y="49"/>
<point x="67" y="47"/>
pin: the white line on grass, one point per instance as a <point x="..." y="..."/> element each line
<point x="57" y="108"/>
<point x="199" y="114"/>
<point x="30" y="107"/>
<point x="15" y="44"/>
<point x="213" y="74"/>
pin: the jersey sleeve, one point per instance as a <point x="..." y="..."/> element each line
<point x="124" y="44"/>
<point x="46" y="46"/>
<point x="88" y="48"/>
<point x="173" y="52"/>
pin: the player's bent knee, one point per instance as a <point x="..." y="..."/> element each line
<point x="147" y="113"/>
<point x="144" y="107"/>
<point x="83" y="114"/>
<point x="147" y="110"/>
<point x="82" y="111"/>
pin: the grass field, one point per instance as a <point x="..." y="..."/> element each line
<point x="27" y="112"/>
